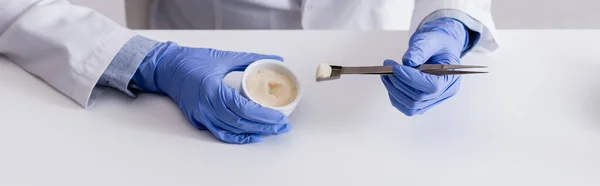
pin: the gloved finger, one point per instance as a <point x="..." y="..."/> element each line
<point x="260" y="128"/>
<point x="223" y="135"/>
<point x="405" y="88"/>
<point x="224" y="54"/>
<point x="403" y="109"/>
<point x="427" y="83"/>
<point x="411" y="112"/>
<point x="411" y="92"/>
<point x="422" y="46"/>
<point x="226" y="119"/>
<point x="430" y="85"/>
<point x="230" y="121"/>
<point x="240" y="126"/>
<point x="241" y="60"/>
<point x="411" y="104"/>
<point x="249" y="110"/>
<point x="416" y="79"/>
<point x="401" y="97"/>
<point x="417" y="95"/>
<point x="222" y="125"/>
<point x="243" y="126"/>
<point x="198" y="125"/>
<point x="444" y="58"/>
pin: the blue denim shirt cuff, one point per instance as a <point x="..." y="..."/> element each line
<point x="125" y="64"/>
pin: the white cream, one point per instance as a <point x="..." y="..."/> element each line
<point x="271" y="88"/>
<point x="323" y="71"/>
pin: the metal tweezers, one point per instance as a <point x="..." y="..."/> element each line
<point x="434" y="69"/>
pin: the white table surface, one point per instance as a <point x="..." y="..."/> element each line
<point x="534" y="120"/>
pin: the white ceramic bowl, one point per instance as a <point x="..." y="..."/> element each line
<point x="277" y="66"/>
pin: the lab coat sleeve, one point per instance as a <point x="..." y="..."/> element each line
<point x="475" y="14"/>
<point x="67" y="46"/>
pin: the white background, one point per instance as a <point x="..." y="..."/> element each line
<point x="546" y="14"/>
<point x="114" y="9"/>
<point x="508" y="14"/>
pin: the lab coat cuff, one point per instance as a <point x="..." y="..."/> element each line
<point x="104" y="51"/>
<point x="124" y="65"/>
<point x="468" y="13"/>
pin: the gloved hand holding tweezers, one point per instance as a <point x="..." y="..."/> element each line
<point x="426" y="76"/>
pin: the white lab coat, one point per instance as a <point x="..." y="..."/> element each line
<point x="69" y="47"/>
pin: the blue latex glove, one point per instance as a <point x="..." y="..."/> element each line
<point x="411" y="91"/>
<point x="193" y="78"/>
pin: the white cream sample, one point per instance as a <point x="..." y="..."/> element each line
<point x="271" y="88"/>
<point x="323" y="71"/>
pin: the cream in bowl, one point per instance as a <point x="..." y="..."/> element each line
<point x="271" y="88"/>
<point x="271" y="84"/>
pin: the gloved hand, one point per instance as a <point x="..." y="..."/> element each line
<point x="437" y="42"/>
<point x="193" y="78"/>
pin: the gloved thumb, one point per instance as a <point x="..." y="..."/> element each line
<point x="390" y="62"/>
<point x="421" y="48"/>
